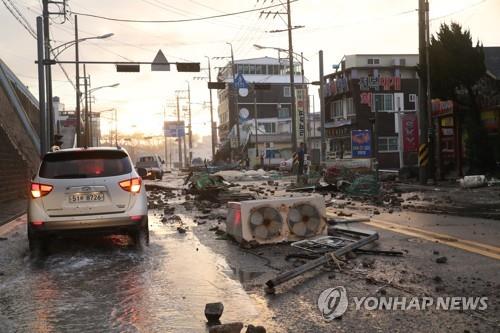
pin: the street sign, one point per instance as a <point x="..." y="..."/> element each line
<point x="188" y="66"/>
<point x="160" y="63"/>
<point x="361" y="143"/>
<point x="216" y="85"/>
<point x="244" y="113"/>
<point x="174" y="129"/>
<point x="128" y="68"/>
<point x="300" y="109"/>
<point x="239" y="82"/>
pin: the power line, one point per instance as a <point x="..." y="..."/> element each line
<point x="176" y="21"/>
<point x="28" y="28"/>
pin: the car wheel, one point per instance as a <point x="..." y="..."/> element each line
<point x="141" y="237"/>
<point x="37" y="245"/>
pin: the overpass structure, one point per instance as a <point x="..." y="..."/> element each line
<point x="19" y="136"/>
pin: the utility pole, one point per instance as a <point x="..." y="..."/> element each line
<point x="86" y="111"/>
<point x="41" y="86"/>
<point x="233" y="71"/>
<point x="48" y="73"/>
<point x="190" y="127"/>
<point x="77" y="74"/>
<point x="423" y="149"/>
<point x="322" y="106"/>
<point x="434" y="164"/>
<point x="292" y="75"/>
<point x="177" y="132"/>
<point x="211" y="111"/>
<point x="164" y="133"/>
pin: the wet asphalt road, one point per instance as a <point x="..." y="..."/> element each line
<point x="106" y="285"/>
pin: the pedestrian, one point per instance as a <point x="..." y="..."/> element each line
<point x="300" y="157"/>
<point x="262" y="161"/>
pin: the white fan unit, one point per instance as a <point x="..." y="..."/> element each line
<point x="276" y="220"/>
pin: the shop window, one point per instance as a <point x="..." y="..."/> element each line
<point x="286" y="92"/>
<point x="383" y="102"/>
<point x="388" y="144"/>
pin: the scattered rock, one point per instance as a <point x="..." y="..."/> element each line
<point x="370" y="280"/>
<point x="213" y="311"/>
<point x="435" y="252"/>
<point x="227" y="328"/>
<point x="439" y="288"/>
<point x="3" y="238"/>
<point x="201" y="222"/>
<point x="368" y="262"/>
<point x="255" y="329"/>
<point x="376" y="212"/>
<point x="181" y="230"/>
<point x="437" y="279"/>
<point x="442" y="260"/>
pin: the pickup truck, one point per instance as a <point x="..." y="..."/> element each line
<point x="150" y="167"/>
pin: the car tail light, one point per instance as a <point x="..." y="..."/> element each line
<point x="136" y="218"/>
<point x="40" y="190"/>
<point x="131" y="185"/>
<point x="37" y="223"/>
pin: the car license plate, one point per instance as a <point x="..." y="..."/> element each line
<point x="86" y="197"/>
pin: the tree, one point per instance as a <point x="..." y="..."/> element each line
<point x="456" y="67"/>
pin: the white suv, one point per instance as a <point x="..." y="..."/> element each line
<point x="87" y="189"/>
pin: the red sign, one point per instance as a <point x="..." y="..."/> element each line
<point x="410" y="132"/>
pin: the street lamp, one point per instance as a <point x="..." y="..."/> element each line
<point x="88" y="112"/>
<point x="69" y="44"/>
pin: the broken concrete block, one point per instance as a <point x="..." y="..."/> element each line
<point x="255" y="329"/>
<point x="213" y="311"/>
<point x="227" y="328"/>
<point x="442" y="260"/>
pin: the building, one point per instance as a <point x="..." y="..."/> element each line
<point x="65" y="123"/>
<point x="374" y="95"/>
<point x="271" y="107"/>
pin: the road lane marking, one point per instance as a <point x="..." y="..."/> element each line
<point x="9" y="226"/>
<point x="463" y="244"/>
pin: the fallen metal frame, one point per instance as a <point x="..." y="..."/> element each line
<point x="367" y="237"/>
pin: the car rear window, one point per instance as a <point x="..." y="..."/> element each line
<point x="85" y="164"/>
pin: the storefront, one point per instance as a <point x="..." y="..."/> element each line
<point x="448" y="136"/>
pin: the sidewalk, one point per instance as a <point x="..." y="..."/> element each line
<point x="9" y="210"/>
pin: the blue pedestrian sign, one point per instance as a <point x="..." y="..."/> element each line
<point x="239" y="82"/>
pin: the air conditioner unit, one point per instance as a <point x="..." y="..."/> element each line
<point x="276" y="220"/>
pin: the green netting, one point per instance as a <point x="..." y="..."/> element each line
<point x="364" y="185"/>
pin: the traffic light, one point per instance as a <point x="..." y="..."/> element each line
<point x="58" y="140"/>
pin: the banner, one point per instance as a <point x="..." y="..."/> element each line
<point x="361" y="143"/>
<point x="300" y="102"/>
<point x="409" y="123"/>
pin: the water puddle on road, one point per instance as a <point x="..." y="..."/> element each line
<point x="107" y="286"/>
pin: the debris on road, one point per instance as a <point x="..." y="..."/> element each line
<point x="213" y="312"/>
<point x="255" y="329"/>
<point x="181" y="230"/>
<point x="473" y="181"/>
<point x="227" y="328"/>
<point x="213" y="188"/>
<point x="367" y="237"/>
<point x="442" y="260"/>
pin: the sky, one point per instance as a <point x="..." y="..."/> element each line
<point x="337" y="27"/>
